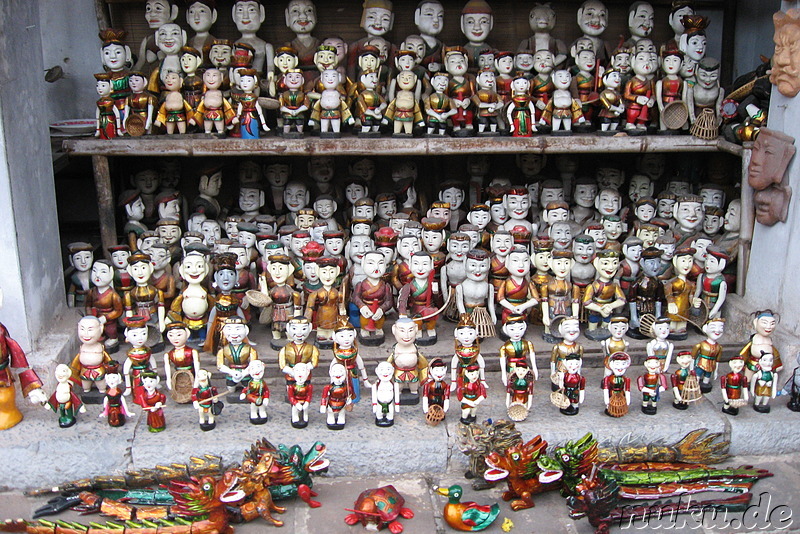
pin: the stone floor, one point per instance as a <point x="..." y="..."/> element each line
<point x="775" y="506"/>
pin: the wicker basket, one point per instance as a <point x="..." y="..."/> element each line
<point x="691" y="389"/>
<point x="559" y="400"/>
<point x="517" y="412"/>
<point x="705" y="127"/>
<point x="134" y="125"/>
<point x="675" y="115"/>
<point x="435" y="415"/>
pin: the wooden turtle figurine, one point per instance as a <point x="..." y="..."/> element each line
<point x="378" y="508"/>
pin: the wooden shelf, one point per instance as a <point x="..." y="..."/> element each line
<point x="202" y="145"/>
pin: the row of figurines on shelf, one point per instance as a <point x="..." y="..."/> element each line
<point x="423" y="83"/>
<point x="159" y="49"/>
<point x="407" y="369"/>
<point x="552" y="101"/>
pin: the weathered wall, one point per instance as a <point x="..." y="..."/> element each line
<point x="69" y="40"/>
<point x="30" y="270"/>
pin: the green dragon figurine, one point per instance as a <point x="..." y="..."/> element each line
<point x="247" y="491"/>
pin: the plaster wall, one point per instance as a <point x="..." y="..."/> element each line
<point x="30" y="270"/>
<point x="754" y="34"/>
<point x="772" y="280"/>
<point x="69" y="40"/>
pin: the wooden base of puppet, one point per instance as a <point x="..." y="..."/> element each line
<point x="409" y="398"/>
<point x="598" y="334"/>
<point x="373" y="339"/>
<point x="761" y="408"/>
<point x="9" y="413"/>
<point x="330" y="135"/>
<point x="293" y="135"/>
<point x="278" y="344"/>
<point x="426" y="339"/>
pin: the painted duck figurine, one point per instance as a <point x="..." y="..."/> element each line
<point x="466" y="516"/>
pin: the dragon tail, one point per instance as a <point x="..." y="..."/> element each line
<point x="207" y="465"/>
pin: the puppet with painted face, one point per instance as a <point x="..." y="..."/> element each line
<point x="542" y="20"/>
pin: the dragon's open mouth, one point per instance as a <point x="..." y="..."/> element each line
<point x="233" y="493"/>
<point x="550" y="475"/>
<point x="318" y="465"/>
<point x="494" y="473"/>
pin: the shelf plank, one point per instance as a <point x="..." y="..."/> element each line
<point x="203" y="145"/>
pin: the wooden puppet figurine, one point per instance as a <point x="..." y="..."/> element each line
<point x="326" y="305"/>
<point x="560" y="296"/>
<point x="764" y="323"/>
<point x="651" y="384"/>
<point x="612" y="105"/>
<point x="410" y="365"/>
<point x="298" y="349"/>
<point x="404" y="111"/>
<point x="105" y="303"/>
<point x="707" y="353"/>
<point x="330" y="110"/>
<point x="764" y="384"/>
<point x="214" y="110"/>
<point x="373" y="298"/>
<point x="671" y="87"/>
<point x="153" y="402"/>
<point x="475" y="296"/>
<point x="181" y="363"/>
<point x="570" y="330"/>
<point x="115" y="408"/>
<point x="617" y="386"/>
<point x="175" y="112"/>
<point x="204" y="400"/>
<point x="385" y="395"/>
<point x="520" y="386"/>
<point x="436" y="390"/>
<point x="89" y="365"/>
<point x="639" y="93"/>
<point x="285" y="301"/>
<point x="471" y="394"/>
<point x="108" y="115"/>
<point x="336" y="396"/>
<point x="345" y="352"/>
<point x="294" y="103"/>
<point x="193" y="304"/>
<point x="370" y="105"/>
<point x="734" y="387"/>
<point x="603" y="296"/>
<point x="679" y="292"/>
<point x="562" y="110"/>
<point x="64" y="401"/>
<point x="235" y="355"/>
<point x="421" y="298"/>
<point x="140" y="357"/>
<point x="712" y="288"/>
<point x="488" y="104"/>
<point x="646" y="292"/>
<point x="517" y="294"/>
<point x="438" y="106"/>
<point x="81" y="257"/>
<point x="572" y="383"/>
<point x="467" y="352"/>
<point x="617" y="327"/>
<point x="249" y="113"/>
<point x="659" y="346"/>
<point x="461" y="88"/>
<point x="792" y="388"/>
<point x="685" y="388"/>
<point x="256" y="392"/>
<point x="521" y="112"/>
<point x="517" y="349"/>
